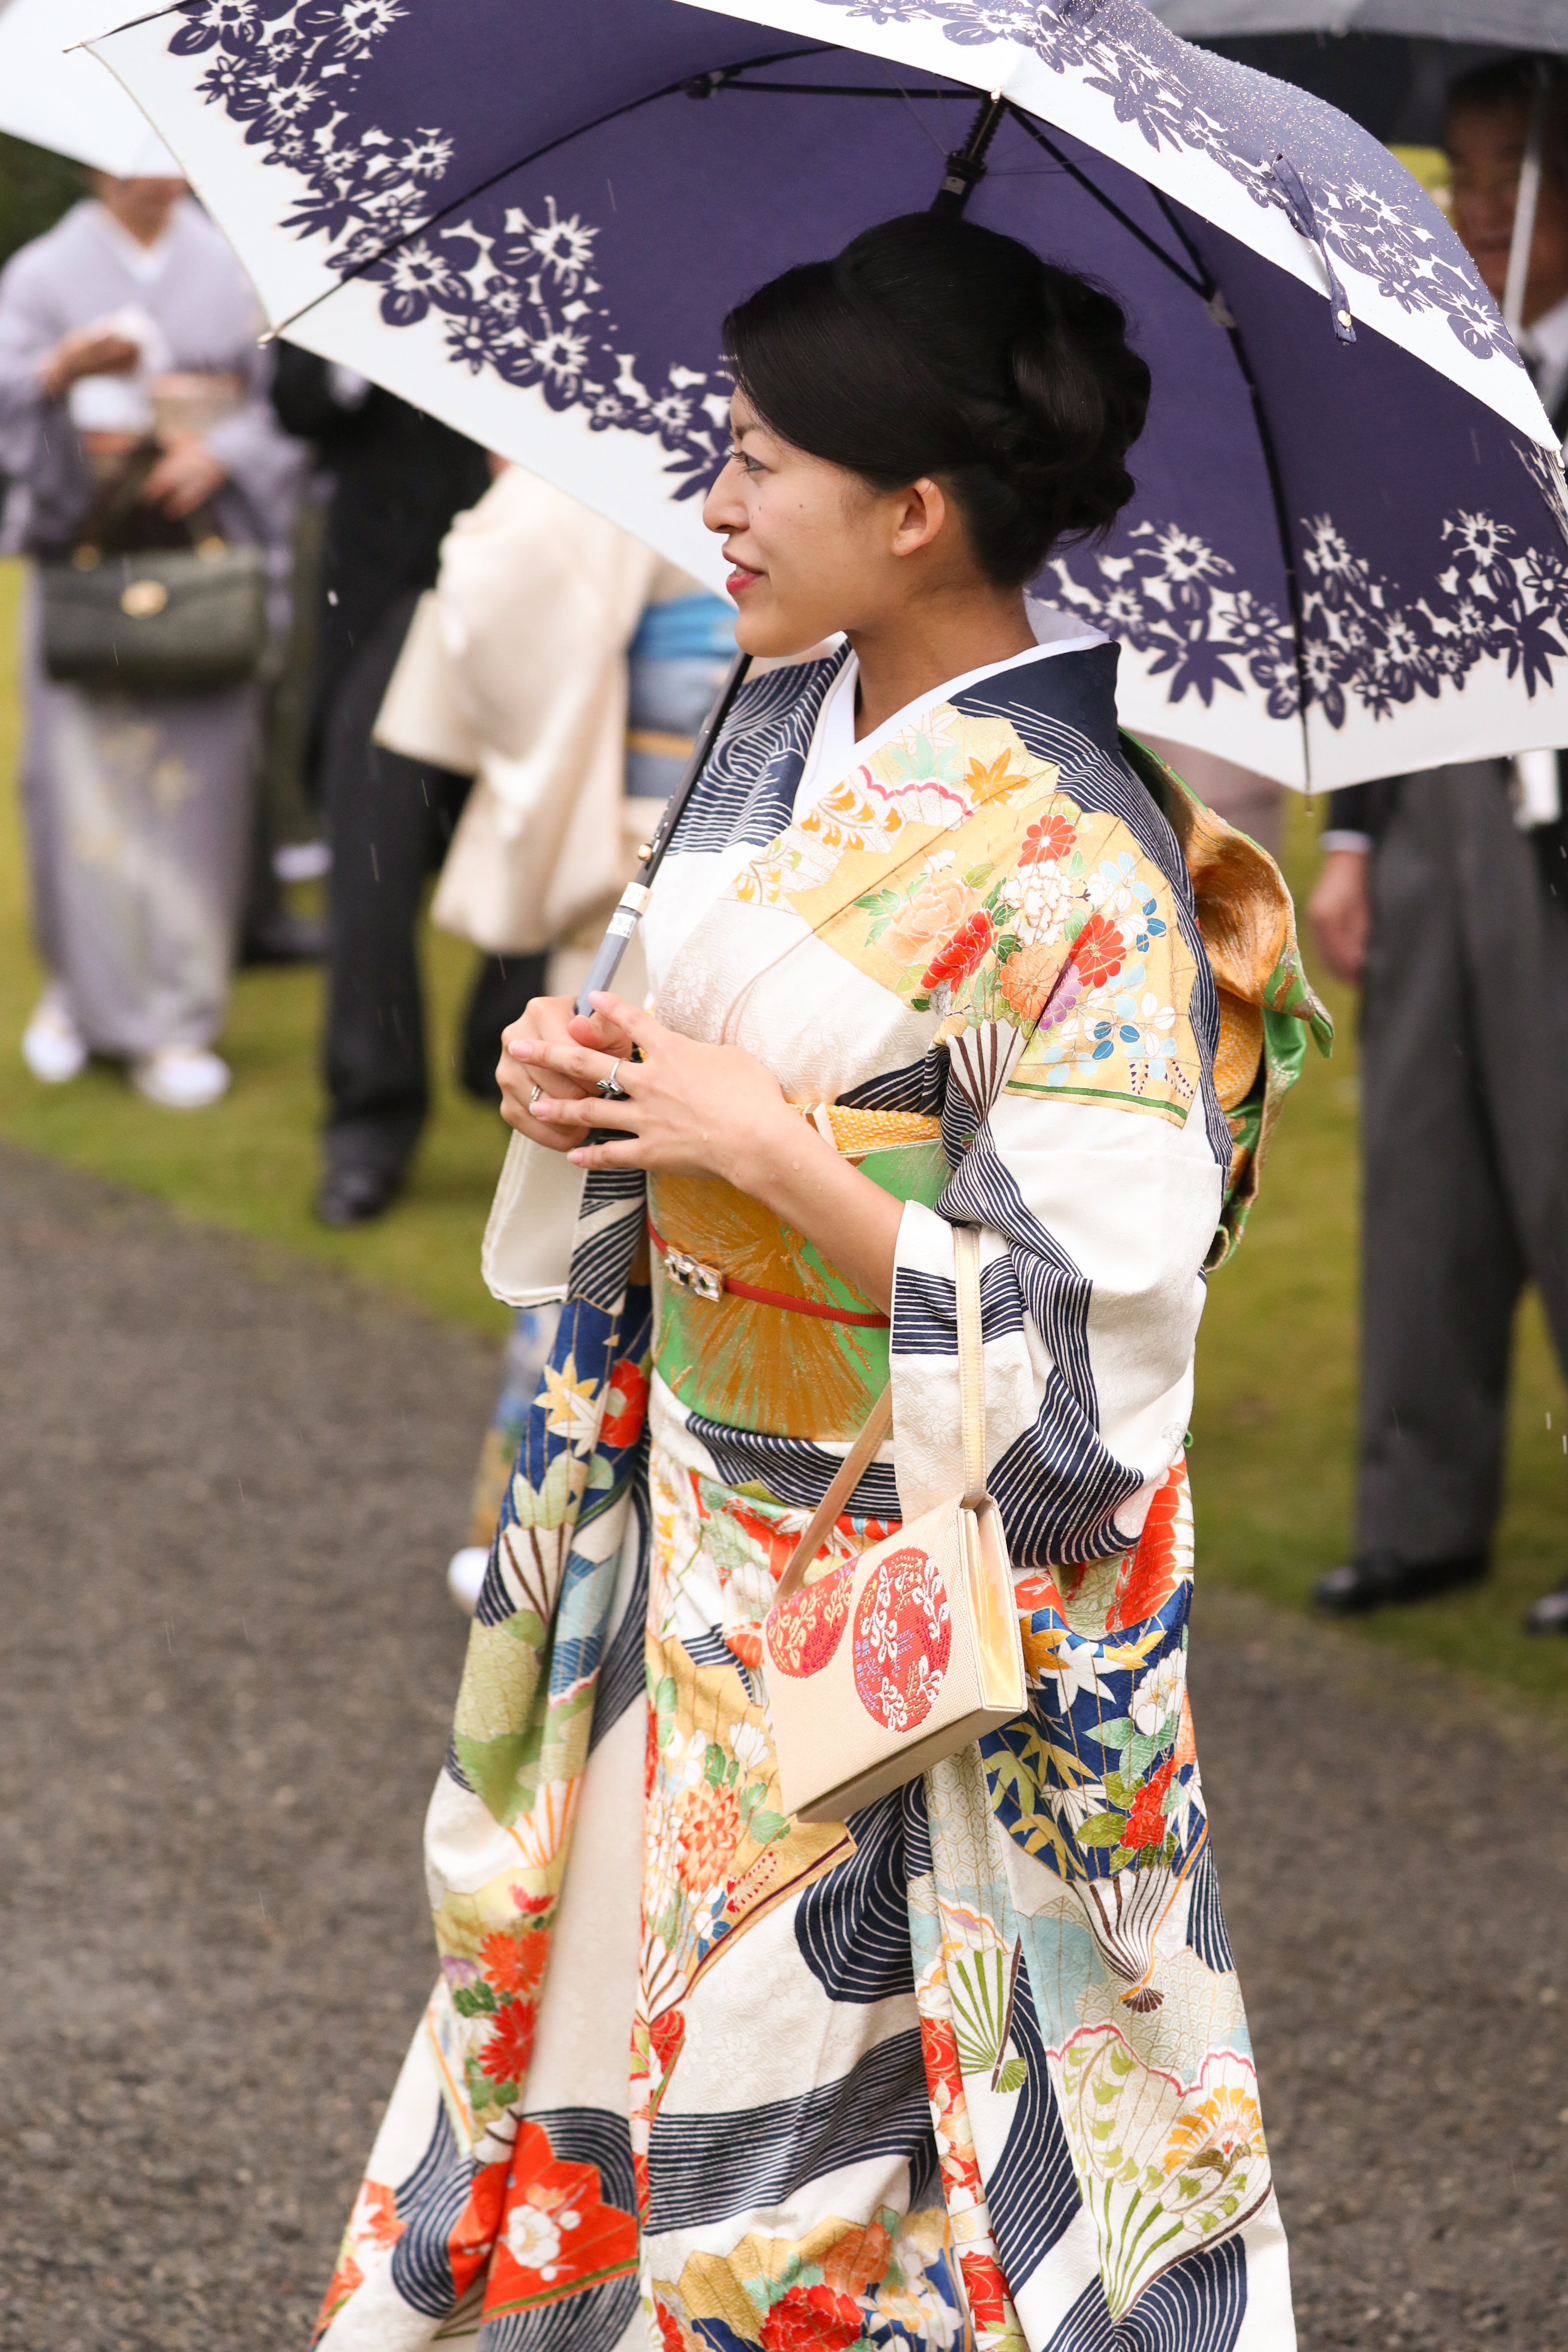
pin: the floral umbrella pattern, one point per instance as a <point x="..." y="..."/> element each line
<point x="533" y="275"/>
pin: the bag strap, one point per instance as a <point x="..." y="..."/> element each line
<point x="972" y="1410"/>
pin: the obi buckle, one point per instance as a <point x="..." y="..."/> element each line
<point x="691" y="1273"/>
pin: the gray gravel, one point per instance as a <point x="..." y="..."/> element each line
<point x="226" y="1487"/>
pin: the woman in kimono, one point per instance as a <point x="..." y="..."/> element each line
<point x="131" y="316"/>
<point x="971" y="2067"/>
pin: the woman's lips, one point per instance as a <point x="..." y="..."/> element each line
<point x="740" y="579"/>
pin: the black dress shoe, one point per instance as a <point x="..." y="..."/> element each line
<point x="1549" y="1613"/>
<point x="1380" y="1581"/>
<point x="352" y="1195"/>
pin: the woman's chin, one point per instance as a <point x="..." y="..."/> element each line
<point x="766" y="630"/>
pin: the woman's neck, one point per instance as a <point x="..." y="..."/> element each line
<point x="920" y="650"/>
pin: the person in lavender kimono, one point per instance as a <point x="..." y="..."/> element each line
<point x="131" y="316"/>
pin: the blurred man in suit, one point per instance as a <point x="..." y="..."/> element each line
<point x="398" y="478"/>
<point x="1445" y="896"/>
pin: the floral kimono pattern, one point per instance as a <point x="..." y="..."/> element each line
<point x="972" y="2066"/>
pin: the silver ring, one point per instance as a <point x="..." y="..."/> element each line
<point x="607" y="1089"/>
<point x="533" y="1097"/>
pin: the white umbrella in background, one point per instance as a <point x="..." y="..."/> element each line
<point x="1508" y="24"/>
<point x="59" y="97"/>
<point x="1539" y="25"/>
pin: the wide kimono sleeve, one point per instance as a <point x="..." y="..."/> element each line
<point x="1088" y="1145"/>
<point x="35" y="438"/>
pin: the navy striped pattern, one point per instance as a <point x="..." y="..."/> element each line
<point x="1058" y="1486"/>
<point x="919" y="1087"/>
<point x="1032" y="2189"/>
<point x="924" y="1315"/>
<point x="705" y="2169"/>
<point x="917" y="1860"/>
<point x="428" y="2204"/>
<point x="792" y="1470"/>
<point x="1098" y="777"/>
<point x="610" y="1224"/>
<point x="746" y="792"/>
<point x="1197" y="2307"/>
<point x="1205" y="1919"/>
<point x="853" y="1926"/>
<point x="622" y="1676"/>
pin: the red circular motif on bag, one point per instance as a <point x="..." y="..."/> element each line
<point x="806" y="1629"/>
<point x="903" y="1639"/>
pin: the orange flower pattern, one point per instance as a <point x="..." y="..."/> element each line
<point x="709" y="1829"/>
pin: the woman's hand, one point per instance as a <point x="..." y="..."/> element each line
<point x="1340" y="911"/>
<point x="692" y="1110"/>
<point x="524" y="1077"/>
<point x="86" y="350"/>
<point x="186" y="476"/>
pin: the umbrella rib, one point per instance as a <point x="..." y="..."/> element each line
<point x="1109" y="203"/>
<point x="519" y="164"/>
<point x="1271" y="466"/>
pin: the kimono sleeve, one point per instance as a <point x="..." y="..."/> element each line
<point x="1095" y="1174"/>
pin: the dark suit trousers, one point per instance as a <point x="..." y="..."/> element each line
<point x="1465" y="1148"/>
<point x="392" y="820"/>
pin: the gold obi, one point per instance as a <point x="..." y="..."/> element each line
<point x="753" y="1326"/>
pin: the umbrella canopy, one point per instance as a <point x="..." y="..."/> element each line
<point x="1505" y="24"/>
<point x="1347" y="552"/>
<point x="56" y="95"/>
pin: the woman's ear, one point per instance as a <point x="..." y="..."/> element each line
<point x="919" y="514"/>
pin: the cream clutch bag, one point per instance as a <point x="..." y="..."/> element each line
<point x="882" y="1666"/>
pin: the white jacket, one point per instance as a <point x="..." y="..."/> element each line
<point x="514" y="671"/>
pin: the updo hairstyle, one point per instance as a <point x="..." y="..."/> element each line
<point x="936" y="347"/>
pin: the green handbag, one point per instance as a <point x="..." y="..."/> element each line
<point x="177" y="622"/>
<point x="123" y="611"/>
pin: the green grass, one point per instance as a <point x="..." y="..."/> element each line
<point x="1273" y="1426"/>
<point x="250" y="1162"/>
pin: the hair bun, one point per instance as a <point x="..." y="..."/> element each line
<point x="933" y="346"/>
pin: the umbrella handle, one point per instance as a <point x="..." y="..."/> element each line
<point x="623" y="922"/>
<point x="1524" y="209"/>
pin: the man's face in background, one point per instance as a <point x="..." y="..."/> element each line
<point x="1486" y="150"/>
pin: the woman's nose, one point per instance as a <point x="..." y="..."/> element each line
<point x="723" y="508"/>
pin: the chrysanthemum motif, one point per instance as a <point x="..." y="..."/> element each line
<point x="708" y="1834"/>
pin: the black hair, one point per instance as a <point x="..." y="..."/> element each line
<point x="936" y="347"/>
<point x="1509" y="86"/>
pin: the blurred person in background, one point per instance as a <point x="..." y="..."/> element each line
<point x="132" y="323"/>
<point x="398" y="477"/>
<point x="1255" y="805"/>
<point x="1443" y="896"/>
<point x="566" y="669"/>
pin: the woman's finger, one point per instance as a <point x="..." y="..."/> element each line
<point x="583" y="1062"/>
<point x="641" y="1027"/>
<point x="607" y="1155"/>
<point x="603" y="1111"/>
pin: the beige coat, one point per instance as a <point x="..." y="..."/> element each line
<point x="514" y="672"/>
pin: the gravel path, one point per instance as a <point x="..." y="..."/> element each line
<point x="226" y="1486"/>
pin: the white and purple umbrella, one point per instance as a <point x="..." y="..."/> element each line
<point x="1348" y="553"/>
